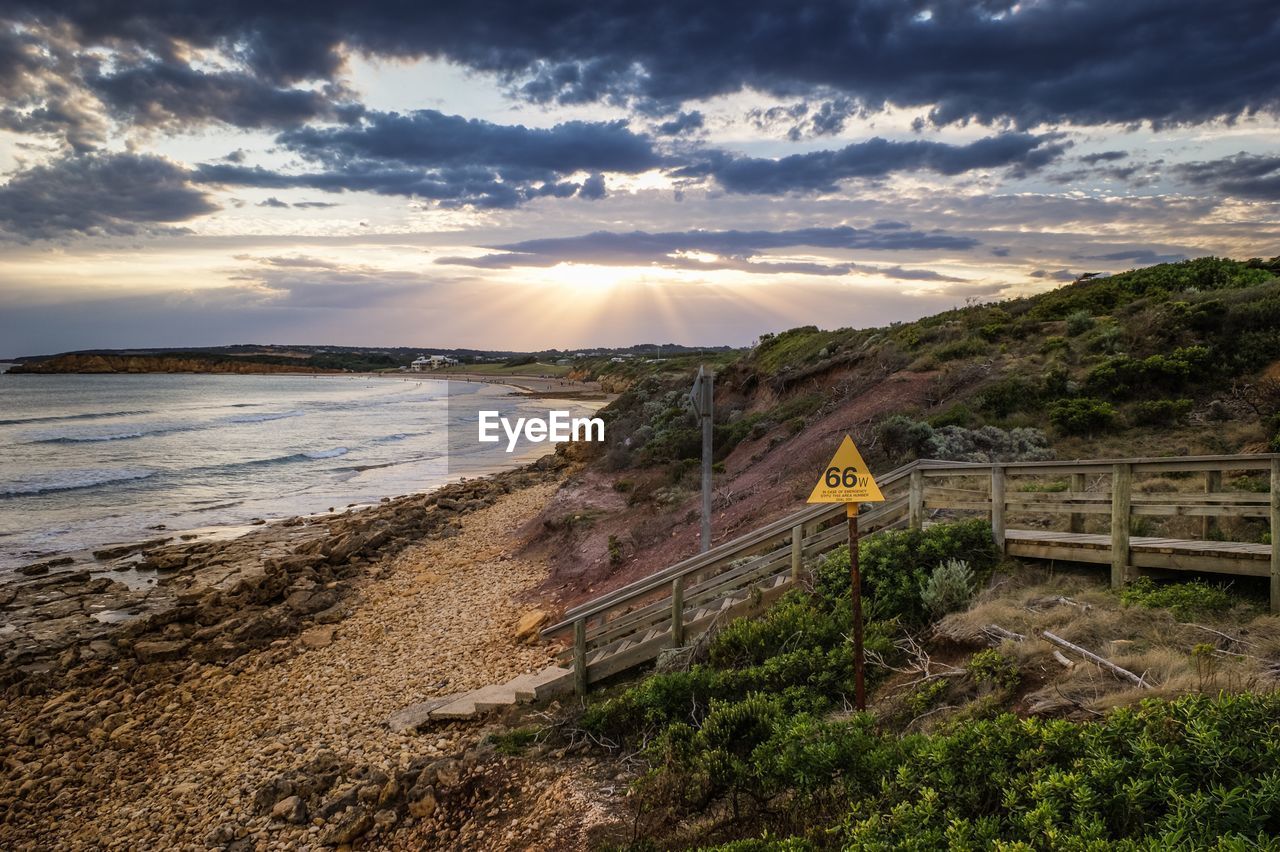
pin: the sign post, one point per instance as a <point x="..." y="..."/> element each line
<point x="846" y="479"/>
<point x="700" y="399"/>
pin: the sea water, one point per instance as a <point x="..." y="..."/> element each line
<point x="91" y="459"/>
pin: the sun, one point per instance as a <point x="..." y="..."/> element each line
<point x="588" y="277"/>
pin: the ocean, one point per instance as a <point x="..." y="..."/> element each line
<point x="87" y="460"/>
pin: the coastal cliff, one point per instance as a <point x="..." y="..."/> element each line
<point x="156" y="364"/>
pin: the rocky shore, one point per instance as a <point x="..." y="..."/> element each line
<point x="246" y="707"/>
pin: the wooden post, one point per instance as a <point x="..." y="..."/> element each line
<point x="855" y="586"/>
<point x="1212" y="485"/>
<point x="997" y="506"/>
<point x="1077" y="486"/>
<point x="580" y="656"/>
<point x="707" y="428"/>
<point x="915" y="500"/>
<point x="677" y="612"/>
<point x="1275" y="535"/>
<point x="797" y="552"/>
<point x="1121" y="488"/>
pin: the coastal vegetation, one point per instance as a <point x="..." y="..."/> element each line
<point x="977" y="735"/>
<point x="973" y="739"/>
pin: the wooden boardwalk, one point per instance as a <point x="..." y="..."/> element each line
<point x="1212" y="557"/>
<point x="668" y="609"/>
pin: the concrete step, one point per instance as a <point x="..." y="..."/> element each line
<point x="534" y="686"/>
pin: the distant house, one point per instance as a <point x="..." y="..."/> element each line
<point x="432" y="362"/>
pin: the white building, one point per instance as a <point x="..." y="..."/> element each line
<point x="432" y="362"/>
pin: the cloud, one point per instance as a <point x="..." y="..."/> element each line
<point x="1055" y="275"/>
<point x="822" y="171"/>
<point x="176" y="96"/>
<point x="1103" y="157"/>
<point x="1243" y="175"/>
<point x="685" y="122"/>
<point x="452" y="160"/>
<point x="272" y="201"/>
<point x="1141" y="257"/>
<point x="1088" y="62"/>
<point x="740" y="251"/>
<point x="109" y="194"/>
<point x="432" y="139"/>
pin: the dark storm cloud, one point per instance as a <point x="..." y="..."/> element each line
<point x="1140" y="257"/>
<point x="685" y="122"/>
<point x="1242" y="175"/>
<point x="735" y="250"/>
<point x="821" y="171"/>
<point x="1055" y="275"/>
<point x="272" y="201"/>
<point x="175" y="95"/>
<point x="1087" y="62"/>
<point x="115" y="194"/>
<point x="451" y="160"/>
<point x="1103" y="157"/>
<point x="432" y="139"/>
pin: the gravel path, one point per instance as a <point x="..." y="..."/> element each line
<point x="178" y="765"/>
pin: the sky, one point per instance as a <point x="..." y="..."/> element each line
<point x="520" y="175"/>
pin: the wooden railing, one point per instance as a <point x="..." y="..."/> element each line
<point x="630" y="624"/>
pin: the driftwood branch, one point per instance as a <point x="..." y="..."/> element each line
<point x="1057" y="600"/>
<point x="1232" y="639"/>
<point x="996" y="633"/>
<point x="1057" y="655"/>
<point x="1094" y="658"/>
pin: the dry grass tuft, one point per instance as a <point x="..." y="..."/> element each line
<point x="1235" y="651"/>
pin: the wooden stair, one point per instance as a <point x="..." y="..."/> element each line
<point x="671" y="608"/>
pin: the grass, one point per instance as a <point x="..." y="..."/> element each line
<point x="533" y="370"/>
<point x="1133" y="629"/>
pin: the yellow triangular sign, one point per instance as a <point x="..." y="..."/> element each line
<point x="846" y="479"/>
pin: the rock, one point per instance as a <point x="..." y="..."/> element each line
<point x="160" y="651"/>
<point x="342" y="800"/>
<point x="291" y="810"/>
<point x="332" y="615"/>
<point x="305" y="602"/>
<point x="125" y="549"/>
<point x="529" y="624"/>
<point x="425" y="805"/>
<point x="384" y="820"/>
<point x="317" y="637"/>
<point x="347" y="829"/>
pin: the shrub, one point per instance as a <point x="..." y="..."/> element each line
<point x="1078" y="322"/>
<point x="948" y="588"/>
<point x="1184" y="600"/>
<point x="966" y="348"/>
<point x="901" y="436"/>
<point x="1161" y="412"/>
<point x="1082" y="415"/>
<point x="990" y="666"/>
<point x="896" y="565"/>
<point x="1123" y="376"/>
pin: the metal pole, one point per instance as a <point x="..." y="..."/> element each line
<point x="855" y="582"/>
<point x="706" y="403"/>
